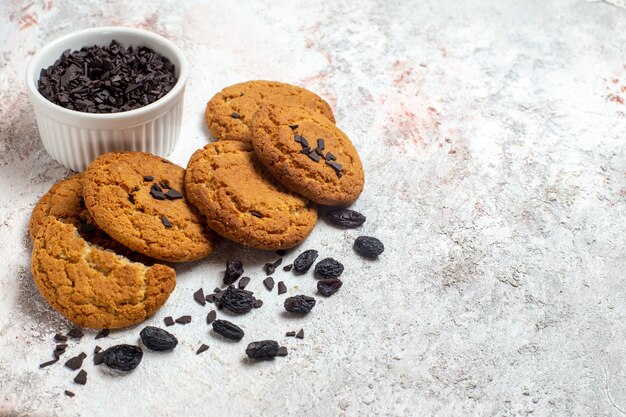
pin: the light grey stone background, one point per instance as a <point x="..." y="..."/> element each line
<point x="492" y="133"/>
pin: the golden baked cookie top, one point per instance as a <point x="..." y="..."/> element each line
<point x="139" y="199"/>
<point x="307" y="153"/>
<point x="229" y="112"/>
<point x="242" y="202"/>
<point x="64" y="201"/>
<point x="94" y="287"/>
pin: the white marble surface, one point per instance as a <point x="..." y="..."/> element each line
<point x="492" y="133"/>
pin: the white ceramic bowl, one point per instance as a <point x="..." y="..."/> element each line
<point x="75" y="138"/>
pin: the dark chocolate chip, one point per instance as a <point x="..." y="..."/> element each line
<point x="76" y="362"/>
<point x="199" y="297"/>
<point x="165" y="185"/>
<point x="320" y="144"/>
<point x="75" y="333"/>
<point x="157" y="194"/>
<point x="287" y="268"/>
<point x="257" y="303"/>
<point x="243" y="282"/>
<point x="293" y="127"/>
<point x="235" y="115"/>
<point x="336" y="166"/>
<point x="166" y="222"/>
<point x="97" y="349"/>
<point x="256" y="214"/>
<point x="234" y="269"/>
<point x="60" y="338"/>
<point x="282" y="351"/>
<point x="98" y="358"/>
<point x="131" y="198"/>
<point x="148" y="178"/>
<point x="269" y="268"/>
<point x="169" y="321"/>
<point x="103" y="333"/>
<point x="201" y="349"/>
<point x="43" y="365"/>
<point x="330" y="156"/>
<point x="282" y="288"/>
<point x="300" y="334"/>
<point x="290" y="334"/>
<point x="69" y="393"/>
<point x="183" y="320"/>
<point x="314" y="156"/>
<point x="172" y="194"/>
<point x="269" y="283"/>
<point x="81" y="377"/>
<point x="210" y="318"/>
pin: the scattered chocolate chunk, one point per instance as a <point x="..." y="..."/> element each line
<point x="264" y="349"/>
<point x="199" y="297"/>
<point x="328" y="287"/>
<point x="243" y="282"/>
<point x="43" y="365"/>
<point x="228" y="330"/>
<point x="235" y="115"/>
<point x="271" y="266"/>
<point x="305" y="150"/>
<point x="234" y="269"/>
<point x="300" y="334"/>
<point x="287" y="268"/>
<point x="210" y="298"/>
<point x="293" y="127"/>
<point x="157" y="194"/>
<point x="86" y="228"/>
<point x="165" y="185"/>
<point x="98" y="358"/>
<point x="131" y="198"/>
<point x="69" y="393"/>
<point x="290" y="334"/>
<point x="136" y="188"/>
<point x="330" y="156"/>
<point x="76" y="362"/>
<point x="123" y="357"/>
<point x="60" y="338"/>
<point x="166" y="222"/>
<point x="345" y="218"/>
<point x="217" y="150"/>
<point x="277" y="262"/>
<point x="257" y="304"/>
<point x="368" y="247"/>
<point x="172" y="194"/>
<point x="304" y="261"/>
<point x="210" y="318"/>
<point x="256" y="214"/>
<point x="314" y="156"/>
<point x="320" y="144"/>
<point x="282" y="351"/>
<point x="58" y="352"/>
<point x="81" y="377"/>
<point x="156" y="187"/>
<point x="103" y="333"/>
<point x="183" y="320"/>
<point x="334" y="165"/>
<point x="319" y="152"/>
<point x="107" y="78"/>
<point x="269" y="283"/>
<point x="299" y="304"/>
<point x="97" y="349"/>
<point x="61" y="346"/>
<point x="329" y="268"/>
<point x="282" y="288"/>
<point x="281" y="252"/>
<point x="148" y="178"/>
<point x="75" y="333"/>
<point x="201" y="349"/>
<point x="169" y="321"/>
<point x="236" y="300"/>
<point x="157" y="339"/>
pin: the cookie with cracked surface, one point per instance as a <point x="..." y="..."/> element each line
<point x="64" y="201"/>
<point x="94" y="287"/>
<point x="308" y="154"/>
<point x="229" y="112"/>
<point x="242" y="202"/>
<point x="139" y="200"/>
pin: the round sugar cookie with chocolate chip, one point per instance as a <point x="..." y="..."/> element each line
<point x="139" y="200"/>
<point x="242" y="202"/>
<point x="94" y="287"/>
<point x="229" y="112"/>
<point x="307" y="153"/>
<point x="64" y="202"/>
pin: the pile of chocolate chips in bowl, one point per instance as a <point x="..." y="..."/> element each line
<point x="107" y="79"/>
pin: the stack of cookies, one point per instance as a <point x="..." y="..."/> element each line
<point x="278" y="153"/>
<point x="97" y="236"/>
